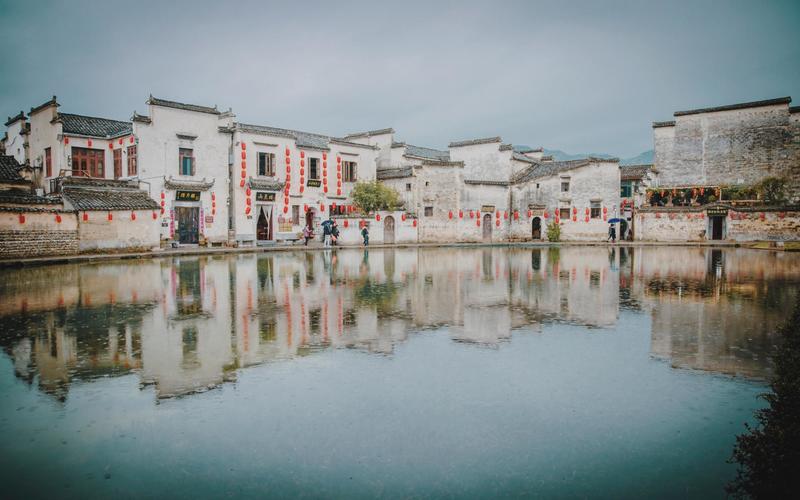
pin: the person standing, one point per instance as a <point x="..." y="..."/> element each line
<point x="365" y="235"/>
<point x="334" y="233"/>
<point x="326" y="234"/>
<point x="307" y="235"/>
<point x="612" y="234"/>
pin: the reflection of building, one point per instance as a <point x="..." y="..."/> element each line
<point x="186" y="324"/>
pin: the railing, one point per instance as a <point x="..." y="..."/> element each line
<point x="56" y="183"/>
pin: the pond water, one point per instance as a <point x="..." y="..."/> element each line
<point x="457" y="372"/>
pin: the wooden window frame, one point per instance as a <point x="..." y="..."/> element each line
<point x="182" y="154"/>
<point x="88" y="161"/>
<point x="117" y="160"/>
<point x="313" y="169"/>
<point x="133" y="167"/>
<point x="48" y="162"/>
<point x="349" y="171"/>
<point x="268" y="164"/>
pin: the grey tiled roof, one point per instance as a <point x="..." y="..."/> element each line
<point x="394" y="173"/>
<point x="473" y="142"/>
<point x="368" y="133"/>
<point x="266" y="184"/>
<point x="25" y="197"/>
<point x="93" y="126"/>
<point x="9" y="169"/>
<point x="522" y="157"/>
<point x="188" y="184"/>
<point x="541" y="170"/>
<point x="670" y="123"/>
<point x="527" y="149"/>
<point x="90" y="198"/>
<point x="428" y="153"/>
<point x="741" y="105"/>
<point x="155" y="101"/>
<point x="12" y="119"/>
<point x="506" y="147"/>
<point x="302" y="139"/>
<point x="634" y="172"/>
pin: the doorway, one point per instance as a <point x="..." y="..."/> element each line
<point x="536" y="231"/>
<point x="388" y="230"/>
<point x="623" y="229"/>
<point x="487" y="227"/>
<point x="188" y="225"/>
<point x="310" y="219"/>
<point x="716" y="227"/>
<point x="264" y="224"/>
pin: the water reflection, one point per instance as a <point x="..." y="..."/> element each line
<point x="188" y="324"/>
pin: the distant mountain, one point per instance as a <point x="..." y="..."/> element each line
<point x="558" y="155"/>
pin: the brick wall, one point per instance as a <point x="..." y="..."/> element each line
<point x="39" y="235"/>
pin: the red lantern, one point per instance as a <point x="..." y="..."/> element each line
<point x="66" y="140"/>
<point x="305" y="208"/>
<point x="241" y="183"/>
<point x="505" y="214"/>
<point x="605" y="209"/>
<point x="86" y="216"/>
<point x="338" y="192"/>
<point x="414" y="223"/>
<point x="338" y="184"/>
<point x="324" y="165"/>
<point x="460" y="214"/>
<point x="244" y="155"/>
<point x="288" y="161"/>
<point x="162" y="211"/>
<point x="605" y="217"/>
<point x="324" y="156"/>
<point x="156" y="216"/>
<point x="285" y="209"/>
<point x="302" y="171"/>
<point x="163" y="195"/>
<point x="110" y="216"/>
<point x="763" y="216"/>
<point x="133" y="215"/>
<point x="131" y="140"/>
<point x="587" y="211"/>
<point x="58" y="218"/>
<point x="378" y="217"/>
<point x="516" y="215"/>
<point x="333" y="206"/>
<point x="287" y="152"/>
<point x="247" y="192"/>
<point x="22" y="218"/>
<point x="574" y="218"/>
<point x="247" y="201"/>
<point x="574" y="211"/>
<point x="586" y="219"/>
<point x="302" y="154"/>
<point x="403" y="217"/>
<point x="325" y="189"/>
<point x="302" y="163"/>
<point x="497" y="214"/>
<point x="302" y="189"/>
<point x="338" y="159"/>
<point x="110" y="145"/>
<point x="321" y="207"/>
<point x="471" y="214"/>
<point x="497" y="222"/>
<point x="530" y="214"/>
<point x="89" y="143"/>
<point x="244" y="174"/>
<point x="450" y="214"/>
<point x="346" y="223"/>
<point x="244" y="146"/>
<point x="120" y="141"/>
<point x="478" y="222"/>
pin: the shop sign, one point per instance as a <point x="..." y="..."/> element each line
<point x="209" y="219"/>
<point x="313" y="183"/>
<point x="487" y="208"/>
<point x="187" y="196"/>
<point x="261" y="196"/>
<point x="717" y="211"/>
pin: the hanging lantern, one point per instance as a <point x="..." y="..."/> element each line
<point x="605" y="217"/>
<point x="414" y="223"/>
<point x="324" y="156"/>
<point x="241" y="183"/>
<point x="346" y="223"/>
<point x="22" y="218"/>
<point x="497" y="214"/>
<point x="478" y="222"/>
<point x="285" y="209"/>
<point x="302" y="154"/>
<point x="244" y="174"/>
<point x="247" y="201"/>
<point x="287" y="152"/>
<point x="110" y="216"/>
<point x="302" y="189"/>
<point x="586" y="212"/>
<point x="288" y="161"/>
<point x="244" y="155"/>
<point x="58" y="218"/>
<point x="574" y="211"/>
<point x="244" y="146"/>
<point x="110" y="145"/>
<point x="516" y="214"/>
<point x="247" y="192"/>
<point x="120" y="141"/>
<point x="66" y="140"/>
<point x="321" y="207"/>
<point x="338" y="192"/>
<point x="546" y="214"/>
<point x="338" y="159"/>
<point x="324" y="165"/>
<point x="586" y="219"/>
<point x="155" y="216"/>
<point x="338" y="184"/>
<point x="378" y="217"/>
<point x="133" y="215"/>
<point x="163" y="195"/>
<point x="471" y="214"/>
<point x="333" y="206"/>
<point x="302" y="171"/>
<point x="89" y="143"/>
<point x="86" y="216"/>
<point x="325" y="189"/>
<point x="213" y="196"/>
<point x="574" y="218"/>
<point x="763" y="216"/>
<point x="605" y="209"/>
<point x="302" y="163"/>
<point x="131" y="140"/>
<point x="505" y="214"/>
<point x="162" y="211"/>
<point x="305" y="208"/>
<point x="497" y="222"/>
<point x="244" y="165"/>
<point x="403" y="216"/>
<point x="247" y="210"/>
<point x="450" y="214"/>
<point x="460" y="214"/>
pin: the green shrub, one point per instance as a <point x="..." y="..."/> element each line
<point x="772" y="190"/>
<point x="554" y="232"/>
<point x="371" y="196"/>
<point x="768" y="453"/>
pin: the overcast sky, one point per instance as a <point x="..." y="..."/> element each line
<point x="577" y="76"/>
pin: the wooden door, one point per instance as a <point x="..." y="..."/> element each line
<point x="388" y="230"/>
<point x="117" y="163"/>
<point x="536" y="230"/>
<point x="487" y="227"/>
<point x="188" y="224"/>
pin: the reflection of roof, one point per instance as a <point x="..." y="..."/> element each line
<point x="93" y="126"/>
<point x="634" y="172"/>
<point x="105" y="194"/>
<point x="9" y="169"/>
<point x="394" y="173"/>
<point x="474" y="142"/>
<point x="179" y="105"/>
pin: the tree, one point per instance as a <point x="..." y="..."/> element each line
<point x="371" y="196"/>
<point x="553" y="232"/>
<point x="768" y="454"/>
<point x="772" y="190"/>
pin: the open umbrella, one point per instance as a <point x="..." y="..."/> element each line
<point x="615" y="220"/>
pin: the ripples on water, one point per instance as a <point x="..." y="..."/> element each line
<point x="171" y="328"/>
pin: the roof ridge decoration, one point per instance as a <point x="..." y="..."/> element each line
<point x="669" y="123"/>
<point x="371" y="133"/>
<point x="506" y="147"/>
<point x="17" y="117"/>
<point x="188" y="185"/>
<point x="51" y="102"/>
<point x="741" y="105"/>
<point x="265" y="184"/>
<point x="521" y="157"/>
<point x="475" y="142"/>
<point x="155" y="101"/>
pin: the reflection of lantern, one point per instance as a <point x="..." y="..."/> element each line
<point x="287" y="152"/>
<point x="574" y="218"/>
<point x="471" y="214"/>
<point x="414" y="223"/>
<point x="450" y="214"/>
<point x="497" y="222"/>
<point x="516" y="214"/>
<point x="403" y="216"/>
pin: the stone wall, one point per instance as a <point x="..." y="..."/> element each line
<point x="122" y="232"/>
<point x="692" y="224"/>
<point x="740" y="146"/>
<point x="39" y="235"/>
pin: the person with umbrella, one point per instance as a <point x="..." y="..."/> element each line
<point x="612" y="230"/>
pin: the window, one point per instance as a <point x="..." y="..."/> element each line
<point x="563" y="213"/>
<point x="266" y="164"/>
<point x="117" y="163"/>
<point x="296" y="214"/>
<point x="48" y="162"/>
<point x="564" y="185"/>
<point x="186" y="161"/>
<point x="595" y="206"/>
<point x="88" y="162"/>
<point x="132" y="167"/>
<point x="349" y="171"/>
<point x="313" y="169"/>
<point x="408" y="187"/>
<point x="428" y="211"/>
<point x="537" y="185"/>
<point x="625" y="189"/>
